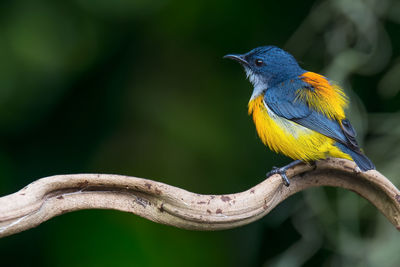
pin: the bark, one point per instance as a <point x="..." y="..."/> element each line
<point x="162" y="203"/>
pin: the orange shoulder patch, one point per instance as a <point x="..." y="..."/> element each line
<point x="328" y="99"/>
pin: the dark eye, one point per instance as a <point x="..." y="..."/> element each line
<point x="259" y="62"/>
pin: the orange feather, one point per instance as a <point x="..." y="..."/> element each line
<point x="328" y="99"/>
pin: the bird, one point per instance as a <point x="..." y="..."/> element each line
<point x="298" y="113"/>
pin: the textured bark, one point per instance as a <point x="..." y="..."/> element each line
<point x="162" y="203"/>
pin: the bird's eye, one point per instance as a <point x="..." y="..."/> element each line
<point x="259" y="62"/>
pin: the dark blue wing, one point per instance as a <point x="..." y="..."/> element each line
<point x="350" y="133"/>
<point x="282" y="101"/>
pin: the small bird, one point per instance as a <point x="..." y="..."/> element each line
<point x="297" y="112"/>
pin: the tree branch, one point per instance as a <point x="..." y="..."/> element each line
<point x="162" y="203"/>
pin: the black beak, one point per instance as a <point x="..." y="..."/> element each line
<point x="238" y="58"/>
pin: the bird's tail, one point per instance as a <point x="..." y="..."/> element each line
<point x="362" y="161"/>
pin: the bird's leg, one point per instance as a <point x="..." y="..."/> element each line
<point x="282" y="171"/>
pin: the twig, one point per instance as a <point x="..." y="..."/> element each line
<point x="55" y="195"/>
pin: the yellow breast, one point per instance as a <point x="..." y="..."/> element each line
<point x="290" y="138"/>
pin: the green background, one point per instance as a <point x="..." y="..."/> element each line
<point x="140" y="88"/>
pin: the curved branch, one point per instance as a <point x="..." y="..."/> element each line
<point x="162" y="203"/>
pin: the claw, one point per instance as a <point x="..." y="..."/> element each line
<point x="285" y="179"/>
<point x="357" y="170"/>
<point x="275" y="170"/>
<point x="281" y="172"/>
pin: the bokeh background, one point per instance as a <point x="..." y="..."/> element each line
<point x="140" y="88"/>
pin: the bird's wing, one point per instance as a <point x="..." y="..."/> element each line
<point x="297" y="100"/>
<point x="350" y="133"/>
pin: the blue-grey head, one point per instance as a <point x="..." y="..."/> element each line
<point x="267" y="66"/>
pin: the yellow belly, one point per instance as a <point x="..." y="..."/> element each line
<point x="290" y="138"/>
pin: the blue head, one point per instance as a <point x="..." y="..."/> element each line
<point x="267" y="66"/>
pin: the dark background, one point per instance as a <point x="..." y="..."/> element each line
<point x="140" y="88"/>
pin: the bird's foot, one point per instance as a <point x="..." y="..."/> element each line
<point x="281" y="172"/>
<point x="357" y="170"/>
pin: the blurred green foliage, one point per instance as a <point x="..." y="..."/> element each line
<point x="139" y="88"/>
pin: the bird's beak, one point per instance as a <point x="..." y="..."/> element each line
<point x="238" y="58"/>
